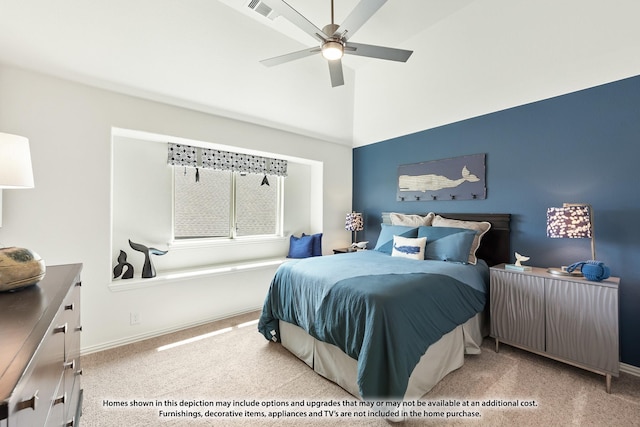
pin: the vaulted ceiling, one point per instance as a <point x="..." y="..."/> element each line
<point x="471" y="57"/>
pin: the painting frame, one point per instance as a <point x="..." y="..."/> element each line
<point x="454" y="178"/>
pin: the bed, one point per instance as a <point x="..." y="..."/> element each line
<point x="381" y="324"/>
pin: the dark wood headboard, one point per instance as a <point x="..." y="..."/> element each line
<point x="495" y="247"/>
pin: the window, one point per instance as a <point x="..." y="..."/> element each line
<point x="143" y="200"/>
<point x="203" y="208"/>
<point x="212" y="203"/>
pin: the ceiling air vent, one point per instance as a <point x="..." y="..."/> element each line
<point x="262" y="9"/>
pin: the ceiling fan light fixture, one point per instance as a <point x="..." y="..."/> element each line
<point x="332" y="50"/>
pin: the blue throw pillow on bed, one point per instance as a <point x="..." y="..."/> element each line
<point x="385" y="239"/>
<point x="300" y="247"/>
<point x="447" y="243"/>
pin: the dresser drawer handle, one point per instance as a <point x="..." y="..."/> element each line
<point x="70" y="365"/>
<point x="30" y="403"/>
<point x="79" y="328"/>
<point x="69" y="307"/>
<point x="61" y="328"/>
<point x="79" y="372"/>
<point x="59" y="400"/>
<point x="71" y="422"/>
<point x="79" y="283"/>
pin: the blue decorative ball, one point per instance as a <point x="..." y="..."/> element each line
<point x="595" y="272"/>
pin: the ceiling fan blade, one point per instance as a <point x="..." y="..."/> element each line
<point x="379" y="52"/>
<point x="358" y="16"/>
<point x="277" y="60"/>
<point x="335" y="71"/>
<point x="296" y="18"/>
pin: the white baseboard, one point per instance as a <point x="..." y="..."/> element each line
<point x="153" y="334"/>
<point x="624" y="367"/>
<point x="630" y="369"/>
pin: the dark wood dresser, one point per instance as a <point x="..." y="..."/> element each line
<point x="40" y="351"/>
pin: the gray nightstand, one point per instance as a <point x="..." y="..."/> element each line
<point x="566" y="318"/>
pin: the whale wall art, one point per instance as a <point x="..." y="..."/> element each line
<point x="457" y="178"/>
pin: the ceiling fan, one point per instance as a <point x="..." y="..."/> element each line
<point x="334" y="39"/>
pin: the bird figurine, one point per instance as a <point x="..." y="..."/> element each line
<point x="520" y="259"/>
<point x="359" y="245"/>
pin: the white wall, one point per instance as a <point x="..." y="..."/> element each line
<point x="493" y="55"/>
<point x="66" y="218"/>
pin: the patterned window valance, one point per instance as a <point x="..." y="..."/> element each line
<point x="185" y="155"/>
<point x="182" y="155"/>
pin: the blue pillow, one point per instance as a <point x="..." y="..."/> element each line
<point x="316" y="246"/>
<point x="447" y="243"/>
<point x="300" y="247"/>
<point x="385" y="239"/>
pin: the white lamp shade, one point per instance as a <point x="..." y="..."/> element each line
<point x="15" y="162"/>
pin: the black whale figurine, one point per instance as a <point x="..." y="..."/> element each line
<point x="148" y="270"/>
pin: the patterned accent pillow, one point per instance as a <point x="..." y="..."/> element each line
<point x="411" y="220"/>
<point x="412" y="248"/>
<point x="385" y="239"/>
<point x="447" y="243"/>
<point x="481" y="227"/>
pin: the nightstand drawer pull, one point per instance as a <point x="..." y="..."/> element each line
<point x="59" y="400"/>
<point x="69" y="307"/>
<point x="70" y="423"/>
<point x="79" y="328"/>
<point x="61" y="328"/>
<point x="30" y="403"/>
<point x="79" y="372"/>
<point x="70" y="365"/>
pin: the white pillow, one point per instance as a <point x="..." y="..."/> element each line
<point x="406" y="247"/>
<point x="411" y="220"/>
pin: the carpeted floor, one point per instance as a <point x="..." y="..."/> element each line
<point x="231" y="376"/>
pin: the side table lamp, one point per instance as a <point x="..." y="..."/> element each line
<point x="354" y="223"/>
<point x="573" y="221"/>
<point x="19" y="267"/>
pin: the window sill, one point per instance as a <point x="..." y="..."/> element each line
<point x="220" y="242"/>
<point x="174" y="276"/>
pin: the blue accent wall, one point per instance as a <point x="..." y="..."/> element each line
<point x="580" y="147"/>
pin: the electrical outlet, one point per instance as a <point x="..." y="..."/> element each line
<point x="134" y="318"/>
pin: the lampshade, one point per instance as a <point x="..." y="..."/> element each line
<point x="573" y="221"/>
<point x="15" y="162"/>
<point x="354" y="222"/>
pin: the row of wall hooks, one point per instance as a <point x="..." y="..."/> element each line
<point x="435" y="197"/>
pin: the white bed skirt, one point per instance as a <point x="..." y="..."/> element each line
<point x="442" y="357"/>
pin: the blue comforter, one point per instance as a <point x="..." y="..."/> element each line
<point x="382" y="311"/>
